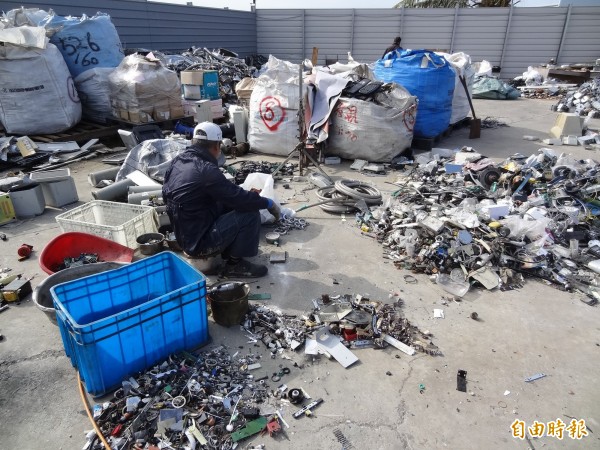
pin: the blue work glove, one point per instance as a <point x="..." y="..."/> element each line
<point x="274" y="209"/>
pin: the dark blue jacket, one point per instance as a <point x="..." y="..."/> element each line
<point x="197" y="193"/>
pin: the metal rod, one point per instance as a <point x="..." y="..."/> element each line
<point x="454" y="28"/>
<point x="564" y="33"/>
<point x="510" y="13"/>
<point x="352" y="32"/>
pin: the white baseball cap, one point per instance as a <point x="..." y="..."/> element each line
<point x="208" y="131"/>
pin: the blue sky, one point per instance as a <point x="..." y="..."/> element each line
<point x="279" y="4"/>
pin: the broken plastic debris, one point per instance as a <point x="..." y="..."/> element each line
<point x="438" y="313"/>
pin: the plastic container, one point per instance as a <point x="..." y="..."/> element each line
<point x="119" y="222"/>
<point x="229" y="302"/>
<point x="28" y="200"/>
<point x="7" y="211"/>
<point x="60" y="193"/>
<point x="150" y="243"/>
<point x="117" y="323"/>
<point x="49" y="176"/>
<point x="42" y="296"/>
<point x="73" y="244"/>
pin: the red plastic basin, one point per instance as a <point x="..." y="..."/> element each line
<point x="73" y="244"/>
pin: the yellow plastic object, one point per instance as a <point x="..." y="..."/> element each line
<point x="7" y="211"/>
<point x="494" y="225"/>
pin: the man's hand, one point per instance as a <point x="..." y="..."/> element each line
<point x="275" y="210"/>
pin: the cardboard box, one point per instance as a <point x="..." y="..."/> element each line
<point x="162" y="115"/>
<point x="123" y="114"/>
<point x="177" y="111"/>
<point x="192" y="77"/>
<point x="216" y="106"/>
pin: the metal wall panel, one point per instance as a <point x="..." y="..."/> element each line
<point x="582" y="37"/>
<point x="280" y="33"/>
<point x="163" y="26"/>
<point x="533" y="37"/>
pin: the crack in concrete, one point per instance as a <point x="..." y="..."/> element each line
<point x="43" y="355"/>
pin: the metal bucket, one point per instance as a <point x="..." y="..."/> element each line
<point x="42" y="296"/>
<point x="229" y="302"/>
<point x="150" y="243"/>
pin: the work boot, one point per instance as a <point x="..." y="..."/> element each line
<point x="245" y="269"/>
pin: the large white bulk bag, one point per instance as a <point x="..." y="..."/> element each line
<point x="461" y="63"/>
<point x="94" y="92"/>
<point x="37" y="94"/>
<point x="371" y="131"/>
<point x="273" y="126"/>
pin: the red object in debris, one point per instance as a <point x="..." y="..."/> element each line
<point x="24" y="251"/>
<point x="73" y="244"/>
<point x="350" y="335"/>
<point x="273" y="426"/>
<point x="117" y="430"/>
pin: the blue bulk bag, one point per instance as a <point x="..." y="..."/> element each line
<point x="85" y="42"/>
<point x="427" y="76"/>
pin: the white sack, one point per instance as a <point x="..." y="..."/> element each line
<point x="38" y="95"/>
<point x="461" y="63"/>
<point x="94" y="92"/>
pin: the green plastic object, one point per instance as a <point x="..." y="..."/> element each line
<point x="252" y="428"/>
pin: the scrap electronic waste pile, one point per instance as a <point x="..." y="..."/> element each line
<point x="215" y="399"/>
<point x="469" y="222"/>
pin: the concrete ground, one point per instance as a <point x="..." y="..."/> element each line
<point x="523" y="332"/>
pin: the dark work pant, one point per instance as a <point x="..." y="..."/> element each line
<point x="233" y="234"/>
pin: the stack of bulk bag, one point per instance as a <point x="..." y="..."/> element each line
<point x="92" y="49"/>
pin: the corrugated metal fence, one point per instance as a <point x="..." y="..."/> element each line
<point x="512" y="38"/>
<point x="161" y="26"/>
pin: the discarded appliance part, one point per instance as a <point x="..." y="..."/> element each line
<point x="335" y="348"/>
<point x="150" y="243"/>
<point x="461" y="381"/>
<point x="107" y="174"/>
<point x="358" y="164"/>
<point x="307" y="408"/>
<point x="24" y="251"/>
<point x="113" y="192"/>
<point x="278" y="257"/>
<point x="16" y="290"/>
<point x="399" y="345"/>
<point x="273" y="237"/>
<point x="537" y="376"/>
<point x="295" y="396"/>
<point x="318" y="180"/>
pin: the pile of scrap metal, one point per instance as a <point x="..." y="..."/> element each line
<point x="360" y="322"/>
<point x="335" y="326"/>
<point x="247" y="167"/>
<point x="469" y="222"/>
<point x="211" y="399"/>
<point x="584" y="101"/>
<point x="232" y="69"/>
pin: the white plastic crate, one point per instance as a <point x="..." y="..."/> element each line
<point x="119" y="222"/>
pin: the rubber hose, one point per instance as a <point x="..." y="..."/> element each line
<point x="89" y="414"/>
<point x="359" y="191"/>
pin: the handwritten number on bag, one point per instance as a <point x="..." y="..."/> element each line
<point x="72" y="45"/>
<point x="92" y="45"/>
<point x="86" y="62"/>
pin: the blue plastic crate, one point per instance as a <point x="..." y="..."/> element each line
<point x="120" y="322"/>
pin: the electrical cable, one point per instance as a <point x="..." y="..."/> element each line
<point x="89" y="414"/>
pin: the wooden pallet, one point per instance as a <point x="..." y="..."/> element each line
<point x="421" y="143"/>
<point x="81" y="133"/>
